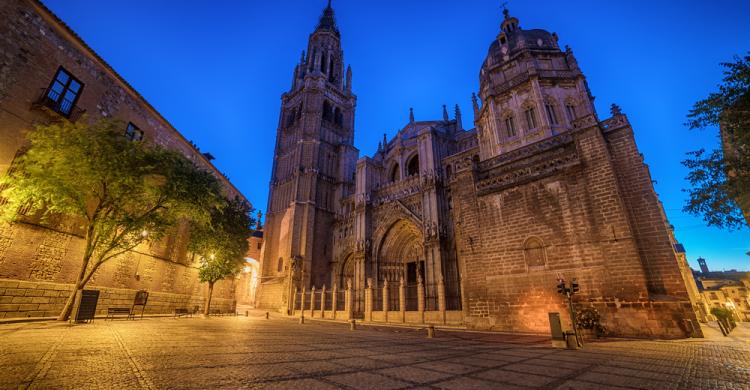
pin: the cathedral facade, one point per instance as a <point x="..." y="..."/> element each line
<point x="478" y="223"/>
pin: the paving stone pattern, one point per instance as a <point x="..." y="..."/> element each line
<point x="240" y="352"/>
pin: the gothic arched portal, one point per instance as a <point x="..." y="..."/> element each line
<point x="401" y="254"/>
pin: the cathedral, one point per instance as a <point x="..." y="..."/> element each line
<point x="477" y="225"/>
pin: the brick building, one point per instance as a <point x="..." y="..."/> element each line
<point x="47" y="74"/>
<point x="470" y="226"/>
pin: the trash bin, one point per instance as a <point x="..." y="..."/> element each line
<point x="571" y="339"/>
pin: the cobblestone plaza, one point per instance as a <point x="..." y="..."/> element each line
<point x="252" y="352"/>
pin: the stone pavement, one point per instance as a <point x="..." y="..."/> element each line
<point x="240" y="352"/>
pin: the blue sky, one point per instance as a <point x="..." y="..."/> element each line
<point x="216" y="70"/>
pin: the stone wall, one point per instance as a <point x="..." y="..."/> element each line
<point x="39" y="258"/>
<point x="34" y="44"/>
<point x="42" y="299"/>
<point x="569" y="194"/>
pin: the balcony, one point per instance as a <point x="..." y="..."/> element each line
<point x="51" y="102"/>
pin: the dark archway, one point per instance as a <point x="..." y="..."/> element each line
<point x="412" y="168"/>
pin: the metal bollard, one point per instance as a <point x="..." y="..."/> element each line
<point x="266" y="315"/>
<point x="352" y="324"/>
<point x="430" y="331"/>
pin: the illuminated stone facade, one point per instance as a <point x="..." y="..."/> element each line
<point x="475" y="224"/>
<point x="39" y="261"/>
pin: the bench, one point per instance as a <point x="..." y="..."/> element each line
<point x="183" y="311"/>
<point x="115" y="311"/>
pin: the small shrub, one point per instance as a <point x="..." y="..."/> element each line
<point x="589" y="318"/>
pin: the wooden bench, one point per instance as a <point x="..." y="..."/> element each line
<point x="115" y="311"/>
<point x="183" y="311"/>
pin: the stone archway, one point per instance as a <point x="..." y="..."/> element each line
<point x="400" y="253"/>
<point x="346" y="272"/>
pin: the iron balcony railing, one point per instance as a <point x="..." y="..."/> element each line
<point x="51" y="100"/>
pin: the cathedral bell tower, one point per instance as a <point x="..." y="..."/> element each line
<point x="313" y="169"/>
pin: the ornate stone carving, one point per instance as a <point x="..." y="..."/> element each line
<point x="48" y="260"/>
<point x="560" y="154"/>
<point x="615" y="122"/>
<point x="6" y="239"/>
<point x="584" y="122"/>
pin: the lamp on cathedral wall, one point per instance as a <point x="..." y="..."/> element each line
<point x="137" y="276"/>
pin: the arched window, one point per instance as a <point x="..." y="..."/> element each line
<point x="530" y="114"/>
<point x="311" y="59"/>
<point x="323" y="67"/>
<point x="395" y="173"/>
<point x="291" y="117"/>
<point x="280" y="265"/>
<point x="448" y="171"/>
<point x="570" y="109"/>
<point x="338" y="116"/>
<point x="332" y="71"/>
<point x="412" y="168"/>
<point x="327" y="111"/>
<point x="551" y="114"/>
<point x="534" y="253"/>
<point x="510" y="127"/>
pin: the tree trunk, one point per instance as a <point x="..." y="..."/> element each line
<point x="208" y="299"/>
<point x="68" y="308"/>
<point x="65" y="313"/>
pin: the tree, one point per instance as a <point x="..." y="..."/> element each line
<point x="222" y="243"/>
<point x="720" y="179"/>
<point x="120" y="193"/>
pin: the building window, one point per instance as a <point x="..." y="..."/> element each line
<point x="510" y="127"/>
<point x="291" y="117"/>
<point x="395" y="173"/>
<point x="551" y="115"/>
<point x="534" y="253"/>
<point x="531" y="118"/>
<point x="571" y="110"/>
<point x="280" y="265"/>
<point x="338" y="117"/>
<point x="259" y="244"/>
<point x="63" y="92"/>
<point x="327" y="111"/>
<point x="412" y="168"/>
<point x="133" y="133"/>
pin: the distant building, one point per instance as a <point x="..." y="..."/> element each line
<point x="728" y="294"/>
<point x="703" y="265"/>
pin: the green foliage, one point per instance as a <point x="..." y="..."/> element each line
<point x="722" y="314"/>
<point x="120" y="193"/>
<point x="222" y="242"/>
<point x="589" y="318"/>
<point x="720" y="179"/>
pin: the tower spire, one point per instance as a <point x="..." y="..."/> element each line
<point x="327" y="21"/>
<point x="459" y="120"/>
